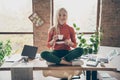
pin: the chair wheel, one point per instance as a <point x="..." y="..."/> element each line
<point x="76" y="77"/>
<point x="63" y="79"/>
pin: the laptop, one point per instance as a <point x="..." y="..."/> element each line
<point x="29" y="51"/>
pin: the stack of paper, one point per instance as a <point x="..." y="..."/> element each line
<point x="13" y="58"/>
<point x="109" y="78"/>
<point x="106" y="76"/>
<point x="92" y="63"/>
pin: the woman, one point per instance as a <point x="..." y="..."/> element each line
<point x="62" y="53"/>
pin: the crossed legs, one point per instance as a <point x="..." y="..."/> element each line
<point x="62" y="56"/>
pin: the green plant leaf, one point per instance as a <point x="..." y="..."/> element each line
<point x="5" y="49"/>
<point x="79" y="37"/>
<point x="74" y="25"/>
<point x="83" y="40"/>
<point x="77" y="28"/>
<point x="91" y="39"/>
<point x="90" y="50"/>
<point x="85" y="51"/>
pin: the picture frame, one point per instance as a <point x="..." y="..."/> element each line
<point x="36" y="19"/>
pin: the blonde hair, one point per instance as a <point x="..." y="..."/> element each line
<point x="56" y="19"/>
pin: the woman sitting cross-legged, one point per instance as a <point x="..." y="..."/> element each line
<point x="61" y="38"/>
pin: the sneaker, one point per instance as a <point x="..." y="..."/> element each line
<point x="77" y="63"/>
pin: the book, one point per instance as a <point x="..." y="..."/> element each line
<point x="92" y="63"/>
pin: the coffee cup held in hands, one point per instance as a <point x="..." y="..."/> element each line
<point x="60" y="37"/>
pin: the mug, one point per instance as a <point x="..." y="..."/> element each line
<point x="60" y="37"/>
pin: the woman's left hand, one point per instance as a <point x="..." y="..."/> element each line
<point x="69" y="42"/>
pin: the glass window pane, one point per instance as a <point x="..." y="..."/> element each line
<point x="81" y="12"/>
<point x="18" y="41"/>
<point x="14" y="16"/>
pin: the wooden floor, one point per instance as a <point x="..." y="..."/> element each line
<point x="37" y="75"/>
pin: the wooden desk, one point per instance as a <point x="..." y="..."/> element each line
<point x="41" y="65"/>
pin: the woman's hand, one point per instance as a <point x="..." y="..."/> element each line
<point x="69" y="42"/>
<point x="55" y="37"/>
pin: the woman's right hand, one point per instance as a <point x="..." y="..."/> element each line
<point x="55" y="37"/>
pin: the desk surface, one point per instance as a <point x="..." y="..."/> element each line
<point x="37" y="64"/>
<point x="41" y="65"/>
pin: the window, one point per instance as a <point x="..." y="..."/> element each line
<point x="15" y="24"/>
<point x="81" y="12"/>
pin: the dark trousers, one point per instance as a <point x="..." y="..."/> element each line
<point x="56" y="55"/>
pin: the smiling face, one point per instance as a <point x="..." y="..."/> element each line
<point x="62" y="16"/>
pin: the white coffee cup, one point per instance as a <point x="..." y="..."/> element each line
<point x="60" y="37"/>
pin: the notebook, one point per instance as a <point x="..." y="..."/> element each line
<point x="92" y="63"/>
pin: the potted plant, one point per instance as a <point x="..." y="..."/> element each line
<point x="90" y="48"/>
<point x="5" y="50"/>
<point x="95" y="41"/>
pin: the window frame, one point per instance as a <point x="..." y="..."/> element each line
<point x="16" y="32"/>
<point x="13" y="32"/>
<point x="97" y="22"/>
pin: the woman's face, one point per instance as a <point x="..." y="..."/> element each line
<point x="62" y="17"/>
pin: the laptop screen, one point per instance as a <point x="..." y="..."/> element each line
<point x="29" y="51"/>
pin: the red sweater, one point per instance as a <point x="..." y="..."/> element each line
<point x="68" y="33"/>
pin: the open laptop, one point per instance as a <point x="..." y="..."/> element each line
<point x="29" y="51"/>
